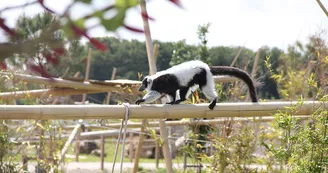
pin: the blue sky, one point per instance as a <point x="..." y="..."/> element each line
<point x="252" y="23"/>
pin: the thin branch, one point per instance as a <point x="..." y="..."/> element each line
<point x="18" y="6"/>
<point x="322" y="7"/>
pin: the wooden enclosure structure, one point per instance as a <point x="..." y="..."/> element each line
<point x="153" y="111"/>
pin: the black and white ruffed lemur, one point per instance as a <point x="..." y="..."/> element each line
<point x="187" y="77"/>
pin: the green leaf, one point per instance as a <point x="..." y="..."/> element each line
<point x="126" y="3"/>
<point x="84" y="1"/>
<point x="79" y="23"/>
<point x="115" y="22"/>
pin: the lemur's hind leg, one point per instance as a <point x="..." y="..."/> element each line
<point x="171" y="98"/>
<point x="182" y="92"/>
<point x="210" y="93"/>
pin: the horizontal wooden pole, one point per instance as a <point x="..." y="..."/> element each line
<point x="182" y="122"/>
<point x="62" y="83"/>
<point x="69" y="87"/>
<point x="224" y="79"/>
<point x="152" y="111"/>
<point x="43" y="93"/>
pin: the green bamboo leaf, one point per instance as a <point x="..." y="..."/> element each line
<point x="84" y="1"/>
<point x="126" y="3"/>
<point x="115" y="22"/>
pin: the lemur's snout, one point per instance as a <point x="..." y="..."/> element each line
<point x="142" y="87"/>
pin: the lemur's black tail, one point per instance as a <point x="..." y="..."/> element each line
<point x="238" y="73"/>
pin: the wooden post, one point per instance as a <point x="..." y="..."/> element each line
<point x="68" y="142"/>
<point x="77" y="146"/>
<point x="139" y="148"/>
<point x="236" y="57"/>
<point x="112" y="78"/>
<point x="102" y="154"/>
<point x="87" y="72"/>
<point x="131" y="146"/>
<point x="102" y="147"/>
<point x="152" y="69"/>
<point x="157" y="154"/>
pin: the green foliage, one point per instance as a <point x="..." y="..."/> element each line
<point x="183" y="52"/>
<point x="8" y="161"/>
<point x="202" y="48"/>
<point x="233" y="152"/>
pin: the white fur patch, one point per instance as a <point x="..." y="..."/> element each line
<point x="185" y="71"/>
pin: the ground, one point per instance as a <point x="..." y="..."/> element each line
<point x="94" y="167"/>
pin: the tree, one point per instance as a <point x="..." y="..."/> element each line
<point x="202" y="48"/>
<point x="42" y="56"/>
<point x="73" y="29"/>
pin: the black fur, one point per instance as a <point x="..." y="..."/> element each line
<point x="232" y="71"/>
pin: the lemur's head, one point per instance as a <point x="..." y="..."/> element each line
<point x="146" y="84"/>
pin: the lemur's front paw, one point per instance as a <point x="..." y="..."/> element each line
<point x="171" y="103"/>
<point x="139" y="101"/>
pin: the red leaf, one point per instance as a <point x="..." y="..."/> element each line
<point x="145" y="15"/>
<point x="52" y="59"/>
<point x="41" y="2"/>
<point x="78" y="31"/>
<point x="177" y="3"/>
<point x="40" y="70"/>
<point x="133" y="29"/>
<point x="59" y="51"/>
<point x="3" y="66"/>
<point x="98" y="44"/>
<point x="6" y="28"/>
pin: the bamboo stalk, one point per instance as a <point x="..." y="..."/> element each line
<point x="43" y="92"/>
<point x="102" y="154"/>
<point x="182" y="123"/>
<point x="131" y="146"/>
<point x="254" y="69"/>
<point x="87" y="72"/>
<point x="152" y="70"/>
<point x="322" y="7"/>
<point x="68" y="142"/>
<point x="58" y="82"/>
<point x="154" y="111"/>
<point x="70" y="91"/>
<point x="112" y="78"/>
<point x="236" y="57"/>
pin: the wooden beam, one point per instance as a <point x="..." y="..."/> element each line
<point x="43" y="93"/>
<point x="153" y="111"/>
<point x="58" y="82"/>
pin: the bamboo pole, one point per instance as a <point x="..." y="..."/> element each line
<point x="153" y="111"/>
<point x="112" y="78"/>
<point x="183" y="123"/>
<point x="322" y="7"/>
<point x="152" y="70"/>
<point x="131" y="146"/>
<point x="43" y="93"/>
<point x="71" y="91"/>
<point x="68" y="142"/>
<point x="58" y="82"/>
<point x="77" y="146"/>
<point x="237" y="56"/>
<point x="87" y="73"/>
<point x="102" y="154"/>
<point x="254" y="69"/>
